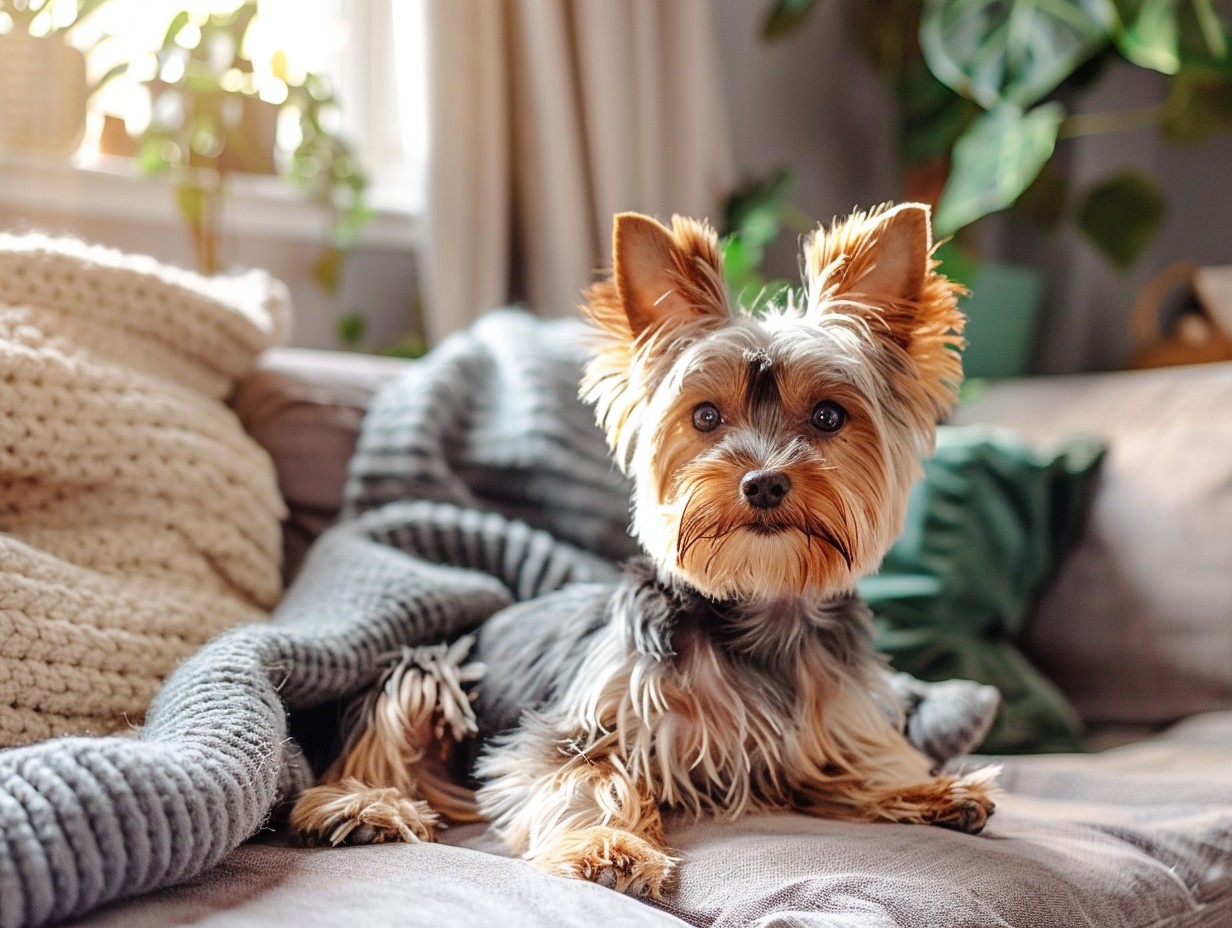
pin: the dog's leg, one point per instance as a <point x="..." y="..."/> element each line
<point x="962" y="803"/>
<point x="860" y="768"/>
<point x="578" y="816"/>
<point x="351" y="811"/>
<point x="392" y="781"/>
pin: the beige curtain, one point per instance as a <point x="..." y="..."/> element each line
<point x="546" y="117"/>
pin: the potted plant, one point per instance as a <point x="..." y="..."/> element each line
<point x="43" y="102"/>
<point x="209" y="122"/>
<point x="984" y="91"/>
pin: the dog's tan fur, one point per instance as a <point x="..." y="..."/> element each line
<point x="773" y="699"/>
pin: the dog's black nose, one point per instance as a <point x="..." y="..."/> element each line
<point x="765" y="489"/>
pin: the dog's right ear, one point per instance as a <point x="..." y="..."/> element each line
<point x="666" y="276"/>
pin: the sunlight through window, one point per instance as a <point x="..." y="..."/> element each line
<point x="368" y="52"/>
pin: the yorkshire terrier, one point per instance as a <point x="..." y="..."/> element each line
<point x="731" y="669"/>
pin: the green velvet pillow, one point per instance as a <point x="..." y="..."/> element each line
<point x="986" y="529"/>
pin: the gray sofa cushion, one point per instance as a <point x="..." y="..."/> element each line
<point x="1138" y="837"/>
<point x="1137" y="627"/>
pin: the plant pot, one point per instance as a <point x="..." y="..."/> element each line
<point x="42" y="94"/>
<point x="250" y="144"/>
<point x="1002" y="320"/>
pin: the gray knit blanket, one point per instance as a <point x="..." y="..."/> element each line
<point x="480" y="480"/>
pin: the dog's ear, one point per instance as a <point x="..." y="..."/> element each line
<point x="878" y="266"/>
<point x="877" y="258"/>
<point x="902" y="240"/>
<point x="665" y="276"/>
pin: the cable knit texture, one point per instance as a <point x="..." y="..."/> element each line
<point x="139" y="520"/>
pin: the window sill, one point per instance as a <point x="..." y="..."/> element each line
<point x="260" y="206"/>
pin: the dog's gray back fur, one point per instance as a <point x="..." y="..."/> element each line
<point x="532" y="651"/>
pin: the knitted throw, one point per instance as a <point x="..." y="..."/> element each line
<point x="138" y="519"/>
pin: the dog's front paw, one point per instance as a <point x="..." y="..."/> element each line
<point x="968" y="802"/>
<point x="349" y="812"/>
<point x="617" y="859"/>
<point x="959" y="803"/>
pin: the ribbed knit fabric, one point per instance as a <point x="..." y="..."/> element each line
<point x="138" y="518"/>
<point x="482" y="431"/>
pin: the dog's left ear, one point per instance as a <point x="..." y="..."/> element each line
<point x="879" y="258"/>
<point x="879" y="266"/>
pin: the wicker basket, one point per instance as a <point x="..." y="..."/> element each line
<point x="42" y="94"/>
<point x="1201" y="335"/>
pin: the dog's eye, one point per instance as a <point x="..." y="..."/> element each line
<point x="828" y="416"/>
<point x="706" y="417"/>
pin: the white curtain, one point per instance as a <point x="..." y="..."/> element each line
<point x="545" y="118"/>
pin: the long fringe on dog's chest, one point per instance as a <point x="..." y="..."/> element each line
<point x="718" y="713"/>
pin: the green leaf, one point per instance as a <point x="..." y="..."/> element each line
<point x="1168" y="35"/>
<point x="193" y="201"/>
<point x="1148" y="37"/>
<point x="785" y="17"/>
<point x="1011" y="51"/>
<point x="740" y="263"/>
<point x="956" y="263"/>
<point x="754" y="210"/>
<point x="1122" y="215"/>
<point x="757" y="299"/>
<point x="351" y="329"/>
<point x="151" y="157"/>
<point x="178" y="22"/>
<point x="995" y="160"/>
<point x="1205" y="35"/>
<point x="931" y="116"/>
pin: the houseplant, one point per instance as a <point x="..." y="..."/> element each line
<point x="984" y="92"/>
<point x="985" y="89"/>
<point x="209" y="121"/>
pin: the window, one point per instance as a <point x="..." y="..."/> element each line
<point x="369" y="51"/>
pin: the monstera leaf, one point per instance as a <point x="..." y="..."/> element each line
<point x="995" y="160"/>
<point x="1011" y="51"/>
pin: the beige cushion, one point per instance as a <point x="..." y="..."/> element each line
<point x="1137" y="627"/>
<point x="137" y="519"/>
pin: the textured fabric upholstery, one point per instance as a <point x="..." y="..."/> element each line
<point x="1137" y="627"/>
<point x="137" y="518"/>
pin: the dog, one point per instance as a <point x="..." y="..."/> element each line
<point x="731" y="669"/>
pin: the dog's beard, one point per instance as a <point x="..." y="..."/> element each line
<point x="731" y="551"/>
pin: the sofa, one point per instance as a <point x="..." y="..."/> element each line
<point x="1133" y="628"/>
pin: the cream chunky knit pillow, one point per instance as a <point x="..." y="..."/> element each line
<point x="137" y="518"/>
